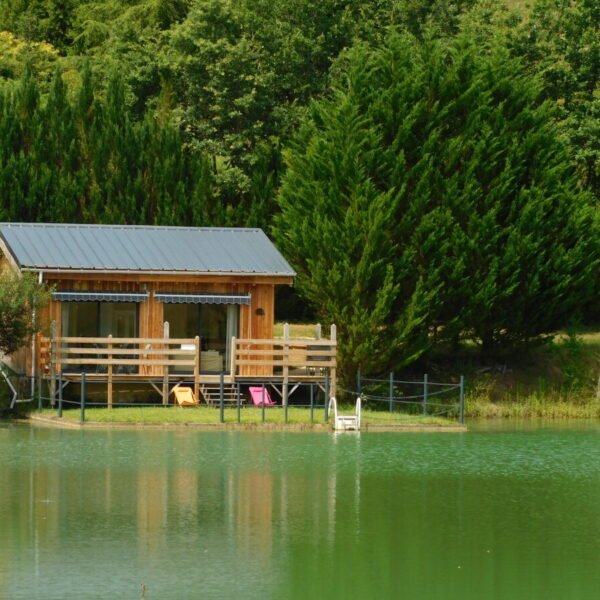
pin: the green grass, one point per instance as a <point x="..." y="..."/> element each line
<point x="298" y="331"/>
<point x="210" y="415"/>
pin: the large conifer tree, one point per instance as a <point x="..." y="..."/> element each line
<point x="430" y="192"/>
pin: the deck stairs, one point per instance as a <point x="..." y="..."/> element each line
<point x="345" y="422"/>
<point x="211" y="393"/>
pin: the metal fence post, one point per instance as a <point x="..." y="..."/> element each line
<point x="312" y="402"/>
<point x="462" y="400"/>
<point x="326" y="397"/>
<point x="425" y="391"/>
<point x="40" y="390"/>
<point x="391" y="391"/>
<point x="262" y="402"/>
<point x="239" y="404"/>
<point x="60" y="395"/>
<point x="82" y="399"/>
<point x="222" y="397"/>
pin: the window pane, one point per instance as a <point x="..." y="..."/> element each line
<point x="80" y="319"/>
<point x="118" y="319"/>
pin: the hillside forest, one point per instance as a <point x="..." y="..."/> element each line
<point x="430" y="168"/>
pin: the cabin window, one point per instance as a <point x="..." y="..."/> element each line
<point x="100" y="319"/>
<point x="215" y="324"/>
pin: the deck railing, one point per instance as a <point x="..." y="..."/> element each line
<point x="285" y="358"/>
<point x="110" y="357"/>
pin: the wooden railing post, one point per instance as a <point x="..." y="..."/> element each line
<point x="165" y="388"/>
<point x="110" y="372"/>
<point x="286" y="361"/>
<point x="333" y="370"/>
<point x="197" y="367"/>
<point x="232" y="366"/>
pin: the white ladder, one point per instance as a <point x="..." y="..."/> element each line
<point x="345" y="422"/>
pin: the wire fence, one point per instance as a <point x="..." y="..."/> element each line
<point x="385" y="398"/>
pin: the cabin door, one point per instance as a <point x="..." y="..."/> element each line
<point x="214" y="324"/>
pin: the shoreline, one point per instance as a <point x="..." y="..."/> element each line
<point x="44" y="421"/>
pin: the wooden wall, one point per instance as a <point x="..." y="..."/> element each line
<point x="254" y="323"/>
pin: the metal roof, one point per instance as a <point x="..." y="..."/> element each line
<point x="117" y="248"/>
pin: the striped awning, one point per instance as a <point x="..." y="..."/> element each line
<point x="203" y="298"/>
<point x="91" y="296"/>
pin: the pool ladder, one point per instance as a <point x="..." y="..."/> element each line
<point x="345" y="422"/>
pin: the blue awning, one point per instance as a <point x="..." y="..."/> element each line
<point x="203" y="298"/>
<point x="91" y="296"/>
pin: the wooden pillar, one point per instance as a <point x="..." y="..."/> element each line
<point x="110" y="373"/>
<point x="333" y="370"/>
<point x="165" y="387"/>
<point x="318" y="331"/>
<point x="286" y="368"/>
<point x="232" y="367"/>
<point x="197" y="368"/>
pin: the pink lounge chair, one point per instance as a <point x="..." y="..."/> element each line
<point x="256" y="392"/>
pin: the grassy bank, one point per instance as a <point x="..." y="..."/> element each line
<point x="210" y="415"/>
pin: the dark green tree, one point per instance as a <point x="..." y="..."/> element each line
<point x="431" y="193"/>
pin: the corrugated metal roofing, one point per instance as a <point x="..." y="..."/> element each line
<point x="66" y="247"/>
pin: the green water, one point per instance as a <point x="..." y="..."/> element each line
<point x="500" y="512"/>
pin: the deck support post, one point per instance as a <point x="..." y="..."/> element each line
<point x="312" y="402"/>
<point x="286" y="368"/>
<point x="82" y="399"/>
<point x="239" y="403"/>
<point x="53" y="358"/>
<point x="333" y="370"/>
<point x="327" y="397"/>
<point x="197" y="368"/>
<point x="232" y="367"/>
<point x="222" y="397"/>
<point x="110" y="373"/>
<point x="165" y="386"/>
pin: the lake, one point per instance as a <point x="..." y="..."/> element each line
<point x="506" y="511"/>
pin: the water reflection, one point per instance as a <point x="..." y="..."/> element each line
<point x="294" y="515"/>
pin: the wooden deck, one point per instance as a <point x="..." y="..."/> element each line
<point x="166" y="362"/>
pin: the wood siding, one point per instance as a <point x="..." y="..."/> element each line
<point x="256" y="319"/>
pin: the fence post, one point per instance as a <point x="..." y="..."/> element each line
<point x="425" y="391"/>
<point x="165" y="374"/>
<point x="60" y="394"/>
<point x="326" y="397"/>
<point x="262" y="402"/>
<point x="285" y="394"/>
<point x="239" y="403"/>
<point x="41" y="374"/>
<point x="82" y="399"/>
<point x="286" y="368"/>
<point x="462" y="400"/>
<point x="222" y="397"/>
<point x="53" y="359"/>
<point x="312" y="402"/>
<point x="391" y="391"/>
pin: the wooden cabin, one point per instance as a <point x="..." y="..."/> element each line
<point x="149" y="302"/>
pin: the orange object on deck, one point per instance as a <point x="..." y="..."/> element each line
<point x="185" y="396"/>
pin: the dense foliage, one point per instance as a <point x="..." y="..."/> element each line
<point x="19" y="298"/>
<point x="180" y="111"/>
<point x="428" y="197"/>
